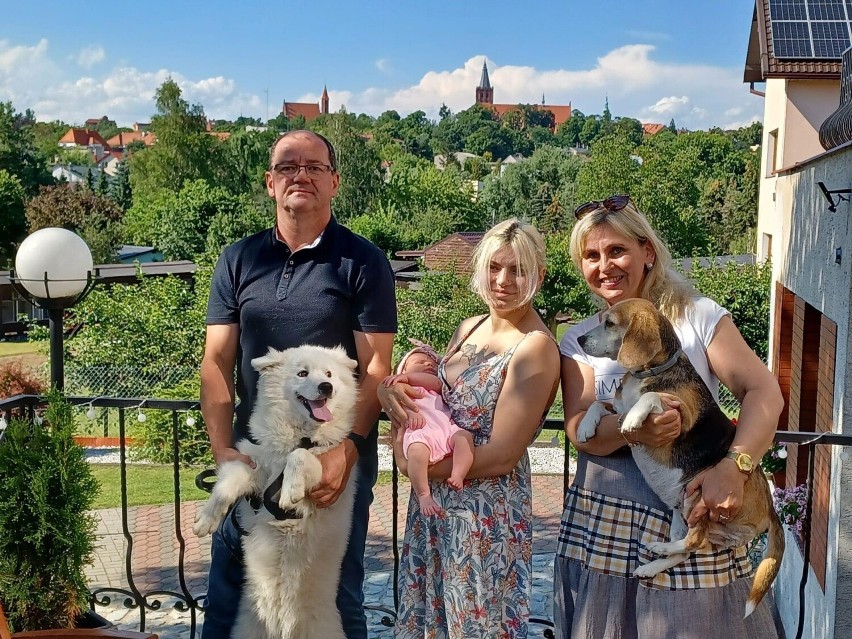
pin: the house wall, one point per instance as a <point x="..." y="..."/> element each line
<point x="809" y="103"/>
<point x="795" y="109"/>
<point x="805" y="264"/>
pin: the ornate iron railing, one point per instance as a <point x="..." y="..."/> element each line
<point x="191" y="603"/>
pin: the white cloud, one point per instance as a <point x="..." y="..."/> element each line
<point x="90" y="56"/>
<point x="671" y="105"/>
<point x="634" y="82"/>
<point x="383" y="65"/>
<point x="637" y="85"/>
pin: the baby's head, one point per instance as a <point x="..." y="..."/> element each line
<point x="420" y="359"/>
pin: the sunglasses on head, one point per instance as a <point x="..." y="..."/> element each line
<point x="612" y="204"/>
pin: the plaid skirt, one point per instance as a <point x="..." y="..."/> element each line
<point x="610" y="517"/>
<point x="610" y="535"/>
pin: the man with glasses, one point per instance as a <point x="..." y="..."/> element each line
<point x="307" y="280"/>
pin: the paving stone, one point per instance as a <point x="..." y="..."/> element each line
<point x="156" y="550"/>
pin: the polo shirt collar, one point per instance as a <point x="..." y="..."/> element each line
<point x="329" y="231"/>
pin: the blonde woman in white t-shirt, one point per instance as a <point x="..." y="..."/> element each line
<point x="611" y="514"/>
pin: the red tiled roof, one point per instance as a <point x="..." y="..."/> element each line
<point x="760" y="57"/>
<point x="83" y="137"/>
<point x="222" y="135"/>
<point x="307" y="110"/>
<point x="652" y="128"/>
<point x="121" y="140"/>
<point x="561" y="113"/>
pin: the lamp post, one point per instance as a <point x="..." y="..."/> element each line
<point x="54" y="271"/>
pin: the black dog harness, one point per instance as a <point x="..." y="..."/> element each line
<point x="268" y="500"/>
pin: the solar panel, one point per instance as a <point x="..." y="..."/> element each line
<point x="818" y="29"/>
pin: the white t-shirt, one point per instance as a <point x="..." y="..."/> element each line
<point x="695" y="330"/>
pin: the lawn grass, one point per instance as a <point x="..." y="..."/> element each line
<point x="8" y="349"/>
<point x="146" y="485"/>
<point x="153" y="484"/>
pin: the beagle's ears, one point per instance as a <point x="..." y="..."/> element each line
<point x="640" y="343"/>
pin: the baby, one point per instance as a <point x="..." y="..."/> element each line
<point x="431" y="434"/>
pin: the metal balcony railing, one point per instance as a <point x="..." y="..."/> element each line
<point x="190" y="603"/>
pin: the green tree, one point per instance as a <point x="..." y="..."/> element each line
<point x="611" y="169"/>
<point x="433" y="311"/>
<point x="184" y="151"/>
<point x="744" y="290"/>
<point x="95" y="218"/>
<point x="18" y="153"/>
<point x="569" y="131"/>
<point x="564" y="291"/>
<point x="179" y="223"/>
<point x="359" y="167"/>
<point x="119" y="190"/>
<point x="13" y="221"/>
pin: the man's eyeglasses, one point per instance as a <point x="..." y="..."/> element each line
<point x="612" y="204"/>
<point x="289" y="170"/>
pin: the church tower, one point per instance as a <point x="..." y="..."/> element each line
<point x="324" y="107"/>
<point x="484" y="92"/>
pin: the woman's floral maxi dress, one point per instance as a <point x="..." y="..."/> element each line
<point x="467" y="574"/>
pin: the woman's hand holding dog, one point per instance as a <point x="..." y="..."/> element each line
<point x="660" y="429"/>
<point x="721" y="492"/>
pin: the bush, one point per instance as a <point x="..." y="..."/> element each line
<point x="47" y="536"/>
<point x="744" y="290"/>
<point x="433" y="311"/>
<point x="154" y="437"/>
<point x="17" y="379"/>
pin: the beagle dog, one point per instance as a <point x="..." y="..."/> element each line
<point x="643" y="341"/>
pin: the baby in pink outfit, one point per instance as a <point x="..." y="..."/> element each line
<point x="431" y="434"/>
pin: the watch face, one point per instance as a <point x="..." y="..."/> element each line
<point x="744" y="462"/>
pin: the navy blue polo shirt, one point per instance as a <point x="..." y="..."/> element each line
<point x="316" y="295"/>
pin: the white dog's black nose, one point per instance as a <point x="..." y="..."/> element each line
<point x="325" y="389"/>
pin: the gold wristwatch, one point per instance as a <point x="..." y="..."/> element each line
<point x="743" y="461"/>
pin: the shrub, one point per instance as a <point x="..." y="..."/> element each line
<point x="743" y="290"/>
<point x="47" y="536"/>
<point x="154" y="437"/>
<point x="17" y="379"/>
<point x="433" y="311"/>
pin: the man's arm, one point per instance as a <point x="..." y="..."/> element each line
<point x="217" y="390"/>
<point x="374" y="363"/>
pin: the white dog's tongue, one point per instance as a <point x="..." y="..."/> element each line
<point x="319" y="410"/>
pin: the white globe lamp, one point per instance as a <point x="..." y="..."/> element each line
<point x="53" y="264"/>
<point x="54" y="270"/>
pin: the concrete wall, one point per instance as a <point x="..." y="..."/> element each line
<point x="806" y="265"/>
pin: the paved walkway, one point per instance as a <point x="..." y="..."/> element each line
<point x="155" y="541"/>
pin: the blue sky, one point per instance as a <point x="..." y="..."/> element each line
<point x="654" y="59"/>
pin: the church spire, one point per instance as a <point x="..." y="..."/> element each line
<point x="484" y="92"/>
<point x="324" y="102"/>
<point x="484" y="82"/>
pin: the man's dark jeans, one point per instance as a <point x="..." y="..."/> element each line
<point x="226" y="564"/>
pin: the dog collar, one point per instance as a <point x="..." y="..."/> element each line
<point x="662" y="368"/>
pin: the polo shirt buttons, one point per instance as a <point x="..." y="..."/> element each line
<point x="286" y="276"/>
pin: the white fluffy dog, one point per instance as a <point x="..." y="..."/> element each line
<point x="305" y="405"/>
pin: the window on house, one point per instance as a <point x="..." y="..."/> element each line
<point x="766" y="247"/>
<point x="772" y="153"/>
